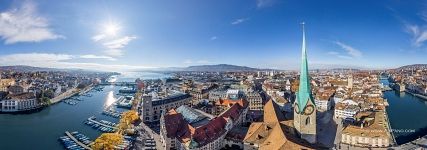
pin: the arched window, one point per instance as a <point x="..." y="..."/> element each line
<point x="307" y="121"/>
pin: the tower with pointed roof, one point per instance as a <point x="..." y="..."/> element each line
<point x="304" y="106"/>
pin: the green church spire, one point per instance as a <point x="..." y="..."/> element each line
<point x="304" y="91"/>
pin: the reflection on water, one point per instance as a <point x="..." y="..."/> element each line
<point x="109" y="99"/>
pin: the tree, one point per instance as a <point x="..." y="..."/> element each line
<point x="107" y="141"/>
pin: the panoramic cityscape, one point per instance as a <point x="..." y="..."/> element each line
<point x="213" y="75"/>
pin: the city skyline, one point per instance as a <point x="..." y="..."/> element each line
<point x="112" y="35"/>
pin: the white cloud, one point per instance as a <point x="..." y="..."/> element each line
<point x="264" y="3"/>
<point x="29" y="58"/>
<point x="23" y="24"/>
<point x="113" y="46"/>
<point x="91" y="56"/>
<point x="352" y="52"/>
<point x="333" y="53"/>
<point x="61" y="61"/>
<point x="214" y="38"/>
<point x="98" y="37"/>
<point x="239" y="21"/>
<point x="344" y="57"/>
<point x="119" y="43"/>
<point x="419" y="34"/>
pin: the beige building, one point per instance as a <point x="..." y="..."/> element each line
<point x="5" y="83"/>
<point x="370" y="131"/>
<point x="154" y="107"/>
<point x="255" y="101"/>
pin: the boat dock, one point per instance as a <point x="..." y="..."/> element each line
<point x="77" y="141"/>
<point x="101" y="124"/>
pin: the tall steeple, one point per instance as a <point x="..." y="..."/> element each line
<point x="304" y="91"/>
<point x="304" y="108"/>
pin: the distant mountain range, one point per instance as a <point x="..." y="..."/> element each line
<point x="413" y="66"/>
<point x="201" y="68"/>
<point x="23" y="68"/>
<point x="215" y="68"/>
<point x="220" y="68"/>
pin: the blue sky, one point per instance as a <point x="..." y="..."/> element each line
<point x="112" y="35"/>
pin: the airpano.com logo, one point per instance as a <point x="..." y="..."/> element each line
<point x="396" y="130"/>
<point x="403" y="130"/>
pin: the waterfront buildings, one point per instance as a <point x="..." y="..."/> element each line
<point x="370" y="130"/>
<point x="19" y="102"/>
<point x="154" y="105"/>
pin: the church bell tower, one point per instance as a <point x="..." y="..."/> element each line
<point x="304" y="106"/>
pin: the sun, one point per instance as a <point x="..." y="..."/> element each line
<point x="111" y="29"/>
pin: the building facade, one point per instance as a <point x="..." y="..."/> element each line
<point x="154" y="107"/>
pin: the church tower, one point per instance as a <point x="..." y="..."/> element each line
<point x="304" y="106"/>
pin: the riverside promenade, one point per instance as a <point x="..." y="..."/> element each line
<point x="65" y="95"/>
<point x="70" y="93"/>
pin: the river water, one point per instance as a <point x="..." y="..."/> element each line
<point x="41" y="130"/>
<point x="407" y="115"/>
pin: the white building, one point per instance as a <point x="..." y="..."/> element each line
<point x="346" y="109"/>
<point x="21" y="102"/>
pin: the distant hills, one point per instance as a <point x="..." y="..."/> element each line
<point x="413" y="66"/>
<point x="220" y="68"/>
<point x="215" y="68"/>
<point x="201" y="68"/>
<point x="22" y="68"/>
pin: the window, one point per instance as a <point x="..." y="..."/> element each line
<point x="307" y="121"/>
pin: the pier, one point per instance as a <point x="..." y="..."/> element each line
<point x="108" y="126"/>
<point x="77" y="141"/>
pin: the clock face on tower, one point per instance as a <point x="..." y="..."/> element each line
<point x="309" y="109"/>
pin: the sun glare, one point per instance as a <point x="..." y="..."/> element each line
<point x="111" y="29"/>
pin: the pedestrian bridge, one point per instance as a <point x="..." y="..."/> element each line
<point x="119" y="83"/>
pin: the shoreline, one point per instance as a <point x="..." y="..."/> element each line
<point x="70" y="93"/>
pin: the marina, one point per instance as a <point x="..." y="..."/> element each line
<point x="75" y="141"/>
<point x="102" y="125"/>
<point x="54" y="120"/>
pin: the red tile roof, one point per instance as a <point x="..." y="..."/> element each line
<point x="177" y="127"/>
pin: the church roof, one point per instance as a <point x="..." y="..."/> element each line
<point x="274" y="133"/>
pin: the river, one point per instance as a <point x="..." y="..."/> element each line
<point x="41" y="130"/>
<point x="407" y="115"/>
